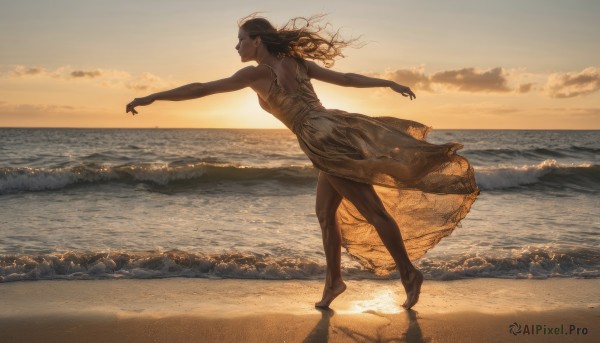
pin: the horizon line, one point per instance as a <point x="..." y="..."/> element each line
<point x="262" y="128"/>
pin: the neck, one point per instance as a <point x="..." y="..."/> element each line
<point x="264" y="57"/>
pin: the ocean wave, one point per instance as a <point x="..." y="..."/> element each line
<point x="149" y="265"/>
<point x="529" y="263"/>
<point x="535" y="262"/>
<point x="23" y="179"/>
<point x="579" y="176"/>
<point x="574" y="151"/>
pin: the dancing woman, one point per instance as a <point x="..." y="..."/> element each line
<point x="383" y="192"/>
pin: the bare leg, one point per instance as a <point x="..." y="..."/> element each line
<point x="366" y="201"/>
<point x="328" y="201"/>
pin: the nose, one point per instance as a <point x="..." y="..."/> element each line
<point x="237" y="46"/>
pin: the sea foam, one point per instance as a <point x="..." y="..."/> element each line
<point x="26" y="179"/>
<point x="531" y="262"/>
<point x="548" y="171"/>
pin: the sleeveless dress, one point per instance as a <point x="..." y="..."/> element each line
<point x="425" y="187"/>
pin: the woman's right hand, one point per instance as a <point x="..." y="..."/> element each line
<point x="138" y="102"/>
<point x="405" y="91"/>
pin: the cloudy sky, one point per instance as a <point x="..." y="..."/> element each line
<point x="509" y="64"/>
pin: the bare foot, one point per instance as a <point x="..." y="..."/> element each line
<point x="330" y="293"/>
<point x="412" y="286"/>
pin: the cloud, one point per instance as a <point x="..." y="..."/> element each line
<point x="86" y="74"/>
<point x="34" y="108"/>
<point x="23" y="71"/>
<point x="103" y="77"/>
<point x="473" y="80"/>
<point x="65" y="72"/>
<point x="144" y="82"/>
<point x="525" y="88"/>
<point x="487" y="108"/>
<point x="568" y="85"/>
<point x="415" y="77"/>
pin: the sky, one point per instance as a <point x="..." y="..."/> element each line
<point x="509" y="64"/>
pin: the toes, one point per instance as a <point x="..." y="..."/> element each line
<point x="413" y="290"/>
<point x="329" y="295"/>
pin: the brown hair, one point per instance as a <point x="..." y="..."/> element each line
<point x="300" y="38"/>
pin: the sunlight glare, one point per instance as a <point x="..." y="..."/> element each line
<point x="384" y="301"/>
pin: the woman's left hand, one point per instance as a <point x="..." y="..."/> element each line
<point x="405" y="91"/>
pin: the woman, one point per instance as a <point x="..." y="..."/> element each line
<point x="375" y="173"/>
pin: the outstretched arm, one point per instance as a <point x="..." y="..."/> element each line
<point x="241" y="79"/>
<point x="354" y="80"/>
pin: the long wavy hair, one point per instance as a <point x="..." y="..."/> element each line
<point x="300" y="38"/>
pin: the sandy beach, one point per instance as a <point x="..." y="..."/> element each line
<point x="226" y="310"/>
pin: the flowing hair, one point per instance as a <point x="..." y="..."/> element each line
<point x="299" y="38"/>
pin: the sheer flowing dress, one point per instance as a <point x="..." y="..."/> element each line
<point x="427" y="188"/>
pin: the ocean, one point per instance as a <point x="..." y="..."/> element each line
<point x="224" y="203"/>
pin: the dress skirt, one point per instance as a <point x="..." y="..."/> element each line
<point x="427" y="188"/>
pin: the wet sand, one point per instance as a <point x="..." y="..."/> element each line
<point x="226" y="310"/>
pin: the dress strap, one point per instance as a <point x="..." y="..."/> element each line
<point x="271" y="69"/>
<point x="299" y="78"/>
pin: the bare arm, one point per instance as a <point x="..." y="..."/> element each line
<point x="241" y="79"/>
<point x="354" y="80"/>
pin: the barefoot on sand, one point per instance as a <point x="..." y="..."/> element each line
<point x="412" y="286"/>
<point x="330" y="293"/>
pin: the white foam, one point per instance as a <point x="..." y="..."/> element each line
<point x="40" y="179"/>
<point x="530" y="262"/>
<point x="31" y="179"/>
<point x="501" y="177"/>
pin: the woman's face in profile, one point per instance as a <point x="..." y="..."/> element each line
<point x="246" y="46"/>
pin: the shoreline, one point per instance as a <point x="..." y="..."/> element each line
<point x="233" y="310"/>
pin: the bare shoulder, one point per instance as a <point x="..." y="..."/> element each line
<point x="250" y="73"/>
<point x="256" y="77"/>
<point x="315" y="71"/>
